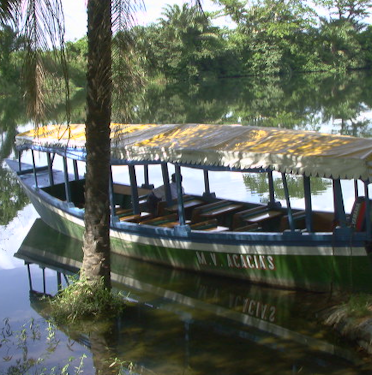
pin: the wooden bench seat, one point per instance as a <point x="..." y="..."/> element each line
<point x="123" y="195"/>
<point x="189" y="202"/>
<point x="213" y="210"/>
<point x="249" y="228"/>
<point x="204" y="224"/>
<point x="164" y="209"/>
<point x="239" y="217"/>
<point x="260" y="217"/>
<point x="209" y="225"/>
<point x="130" y="216"/>
<point x="166" y="220"/>
<point x="127" y="190"/>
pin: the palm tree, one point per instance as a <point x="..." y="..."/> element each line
<point x="96" y="261"/>
<point x="44" y="27"/>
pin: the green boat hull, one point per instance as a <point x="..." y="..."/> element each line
<point x="316" y="262"/>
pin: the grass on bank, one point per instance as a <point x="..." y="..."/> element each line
<point x="358" y="305"/>
<point x="83" y="300"/>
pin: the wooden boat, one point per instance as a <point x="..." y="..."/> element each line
<point x="268" y="243"/>
<point x="166" y="302"/>
<point x="191" y="306"/>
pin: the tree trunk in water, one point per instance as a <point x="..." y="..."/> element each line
<point x="96" y="247"/>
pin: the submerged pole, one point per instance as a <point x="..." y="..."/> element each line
<point x="29" y="276"/>
<point x="44" y="280"/>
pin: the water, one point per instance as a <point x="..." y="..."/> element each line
<point x="178" y="322"/>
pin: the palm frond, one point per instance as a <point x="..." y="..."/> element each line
<point x="43" y="30"/>
<point x="9" y="11"/>
<point x="123" y="14"/>
<point x="127" y="76"/>
<point x="199" y="6"/>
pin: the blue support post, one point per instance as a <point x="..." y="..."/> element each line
<point x="111" y="192"/>
<point x="67" y="182"/>
<point x="165" y="173"/>
<point x="271" y="188"/>
<point x="181" y="208"/>
<point x="50" y="169"/>
<point x="340" y="215"/>
<point x="133" y="185"/>
<point x="368" y="211"/>
<point x="34" y="168"/>
<point x="289" y="209"/>
<point x="76" y="171"/>
<point x="308" y="204"/>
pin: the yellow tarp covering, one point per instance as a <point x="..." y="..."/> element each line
<point x="231" y="146"/>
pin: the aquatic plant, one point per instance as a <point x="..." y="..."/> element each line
<point x="16" y="345"/>
<point x="82" y="300"/>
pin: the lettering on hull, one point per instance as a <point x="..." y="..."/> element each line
<point x="239" y="261"/>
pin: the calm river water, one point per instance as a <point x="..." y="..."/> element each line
<point x="178" y="322"/>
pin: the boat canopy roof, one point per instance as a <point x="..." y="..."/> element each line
<point x="217" y="146"/>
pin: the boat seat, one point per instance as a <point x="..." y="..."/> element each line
<point x="239" y="217"/>
<point x="130" y="216"/>
<point x="249" y="228"/>
<point x="202" y="225"/>
<point x="161" y="220"/>
<point x="214" y="210"/>
<point x="163" y="207"/>
<point x="209" y="225"/>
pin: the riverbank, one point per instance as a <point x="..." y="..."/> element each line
<point x="351" y="317"/>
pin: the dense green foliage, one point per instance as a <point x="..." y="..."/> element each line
<point x="269" y="37"/>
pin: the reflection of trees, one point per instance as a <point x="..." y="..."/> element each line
<point x="12" y="197"/>
<point x="12" y="114"/>
<point x="258" y="184"/>
<point x="302" y="102"/>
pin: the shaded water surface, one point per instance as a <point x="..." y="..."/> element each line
<point x="178" y="322"/>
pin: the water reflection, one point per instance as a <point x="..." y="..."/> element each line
<point x="184" y="323"/>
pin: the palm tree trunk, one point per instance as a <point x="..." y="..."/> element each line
<point x="96" y="247"/>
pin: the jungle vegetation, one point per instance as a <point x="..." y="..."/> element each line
<point x="269" y="37"/>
